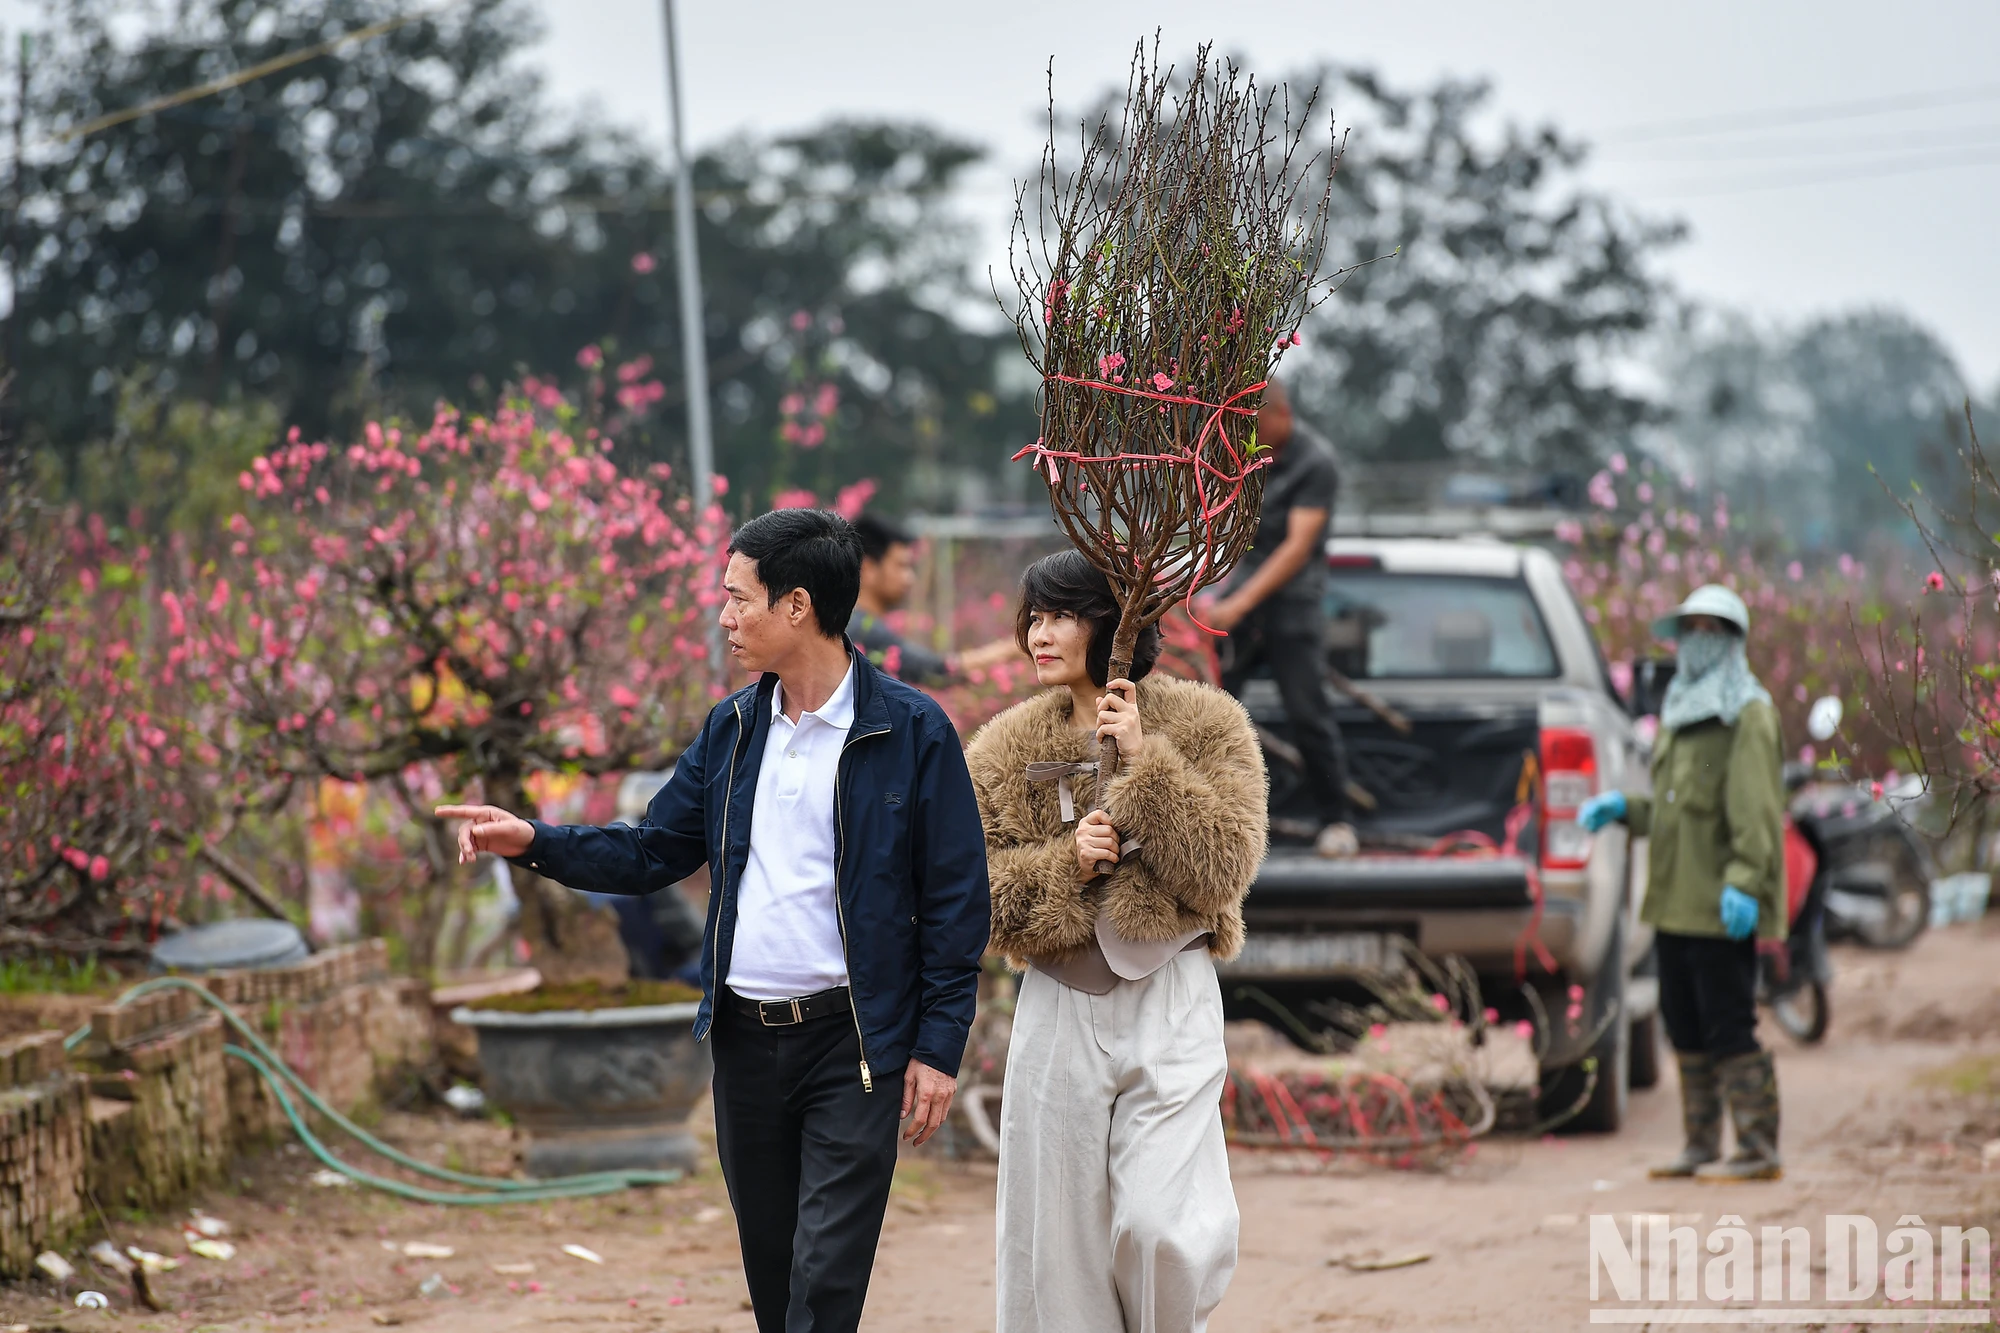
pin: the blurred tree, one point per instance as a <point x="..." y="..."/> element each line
<point x="836" y="280"/>
<point x="1492" y="331"/>
<point x="406" y="219"/>
<point x="1806" y="425"/>
<point x="169" y="465"/>
<point x="1883" y="391"/>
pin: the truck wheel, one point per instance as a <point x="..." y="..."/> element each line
<point x="1604" y="1111"/>
<point x="1645" y="1058"/>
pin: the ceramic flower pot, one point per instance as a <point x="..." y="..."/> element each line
<point x="595" y="1089"/>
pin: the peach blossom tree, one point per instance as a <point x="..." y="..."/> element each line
<point x="448" y="610"/>
<point x="1649" y="538"/>
<point x="99" y="784"/>
<point x="1931" y="662"/>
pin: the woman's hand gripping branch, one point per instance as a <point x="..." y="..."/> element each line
<point x="1097" y="840"/>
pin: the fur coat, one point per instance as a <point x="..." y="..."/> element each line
<point x="1195" y="797"/>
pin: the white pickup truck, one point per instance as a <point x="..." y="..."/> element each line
<point x="1490" y="662"/>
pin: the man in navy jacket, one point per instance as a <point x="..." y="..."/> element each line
<point x="847" y="914"/>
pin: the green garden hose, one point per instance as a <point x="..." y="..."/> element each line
<point x="276" y="1074"/>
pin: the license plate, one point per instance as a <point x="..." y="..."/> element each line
<point x="1317" y="955"/>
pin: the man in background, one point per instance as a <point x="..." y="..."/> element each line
<point x="1274" y="608"/>
<point x="888" y="575"/>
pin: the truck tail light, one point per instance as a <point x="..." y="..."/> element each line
<point x="1569" y="778"/>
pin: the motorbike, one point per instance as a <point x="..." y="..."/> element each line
<point x="1878" y="873"/>
<point x="1854" y="868"/>
<point x="1793" y="974"/>
<point x="1877" y="869"/>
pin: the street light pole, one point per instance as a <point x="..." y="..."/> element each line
<point x="694" y="343"/>
<point x="694" y="338"/>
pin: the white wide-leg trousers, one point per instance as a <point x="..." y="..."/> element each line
<point x="1116" y="1212"/>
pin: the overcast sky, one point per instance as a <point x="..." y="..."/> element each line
<point x="1878" y="184"/>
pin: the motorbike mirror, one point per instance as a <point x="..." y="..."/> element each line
<point x="1824" y="719"/>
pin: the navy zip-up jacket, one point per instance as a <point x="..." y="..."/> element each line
<point x="910" y="859"/>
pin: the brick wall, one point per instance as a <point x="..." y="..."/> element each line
<point x="159" y="1101"/>
<point x="341" y="1021"/>
<point x="148" y="1108"/>
<point x="44" y="1138"/>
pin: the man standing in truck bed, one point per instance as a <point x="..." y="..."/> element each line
<point x="1274" y="608"/>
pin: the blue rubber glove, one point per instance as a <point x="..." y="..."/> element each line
<point x="1601" y="809"/>
<point x="1739" y="912"/>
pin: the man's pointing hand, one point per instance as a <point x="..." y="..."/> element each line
<point x="488" y="828"/>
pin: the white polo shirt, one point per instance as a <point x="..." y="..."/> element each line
<point x="787" y="914"/>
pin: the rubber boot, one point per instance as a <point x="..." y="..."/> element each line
<point x="1750" y="1083"/>
<point x="1701" y="1117"/>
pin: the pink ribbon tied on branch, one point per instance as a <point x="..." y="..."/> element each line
<point x="1229" y="478"/>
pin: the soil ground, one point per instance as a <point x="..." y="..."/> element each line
<point x="1889" y="1117"/>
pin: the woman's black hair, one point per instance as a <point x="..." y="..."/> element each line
<point x="1066" y="581"/>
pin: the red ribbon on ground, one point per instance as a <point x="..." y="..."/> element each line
<point x="1230" y="479"/>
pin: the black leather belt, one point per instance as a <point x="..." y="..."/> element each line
<point x="804" y="1009"/>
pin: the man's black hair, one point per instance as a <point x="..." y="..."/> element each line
<point x="1066" y="581"/>
<point x="878" y="534"/>
<point x="805" y="548"/>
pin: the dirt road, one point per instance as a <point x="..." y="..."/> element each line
<point x="1888" y="1118"/>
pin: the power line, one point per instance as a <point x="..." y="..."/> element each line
<point x="1845" y="145"/>
<point x="228" y="81"/>
<point x="1757" y="185"/>
<point x="1785" y="117"/>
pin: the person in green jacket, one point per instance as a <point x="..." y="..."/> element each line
<point x="1716" y="882"/>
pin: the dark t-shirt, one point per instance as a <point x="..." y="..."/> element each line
<point x="1305" y="475"/>
<point x="872" y="635"/>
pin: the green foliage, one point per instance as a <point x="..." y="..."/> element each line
<point x="168" y="465"/>
<point x="832" y="258"/>
<point x="1503" y="286"/>
<point x="305" y="236"/>
<point x="54" y="976"/>
<point x="407" y="220"/>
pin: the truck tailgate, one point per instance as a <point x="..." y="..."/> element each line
<point x="1294" y="880"/>
<point x="1311" y="918"/>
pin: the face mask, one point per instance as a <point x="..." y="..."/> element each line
<point x="1703" y="651"/>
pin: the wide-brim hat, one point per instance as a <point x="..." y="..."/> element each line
<point x="1711" y="599"/>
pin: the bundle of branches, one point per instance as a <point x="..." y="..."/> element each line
<point x="1365" y="1113"/>
<point x="1163" y="277"/>
<point x="1420" y="1107"/>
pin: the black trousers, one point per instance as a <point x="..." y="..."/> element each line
<point x="808" y="1158"/>
<point x="1708" y="994"/>
<point x="1292" y="641"/>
